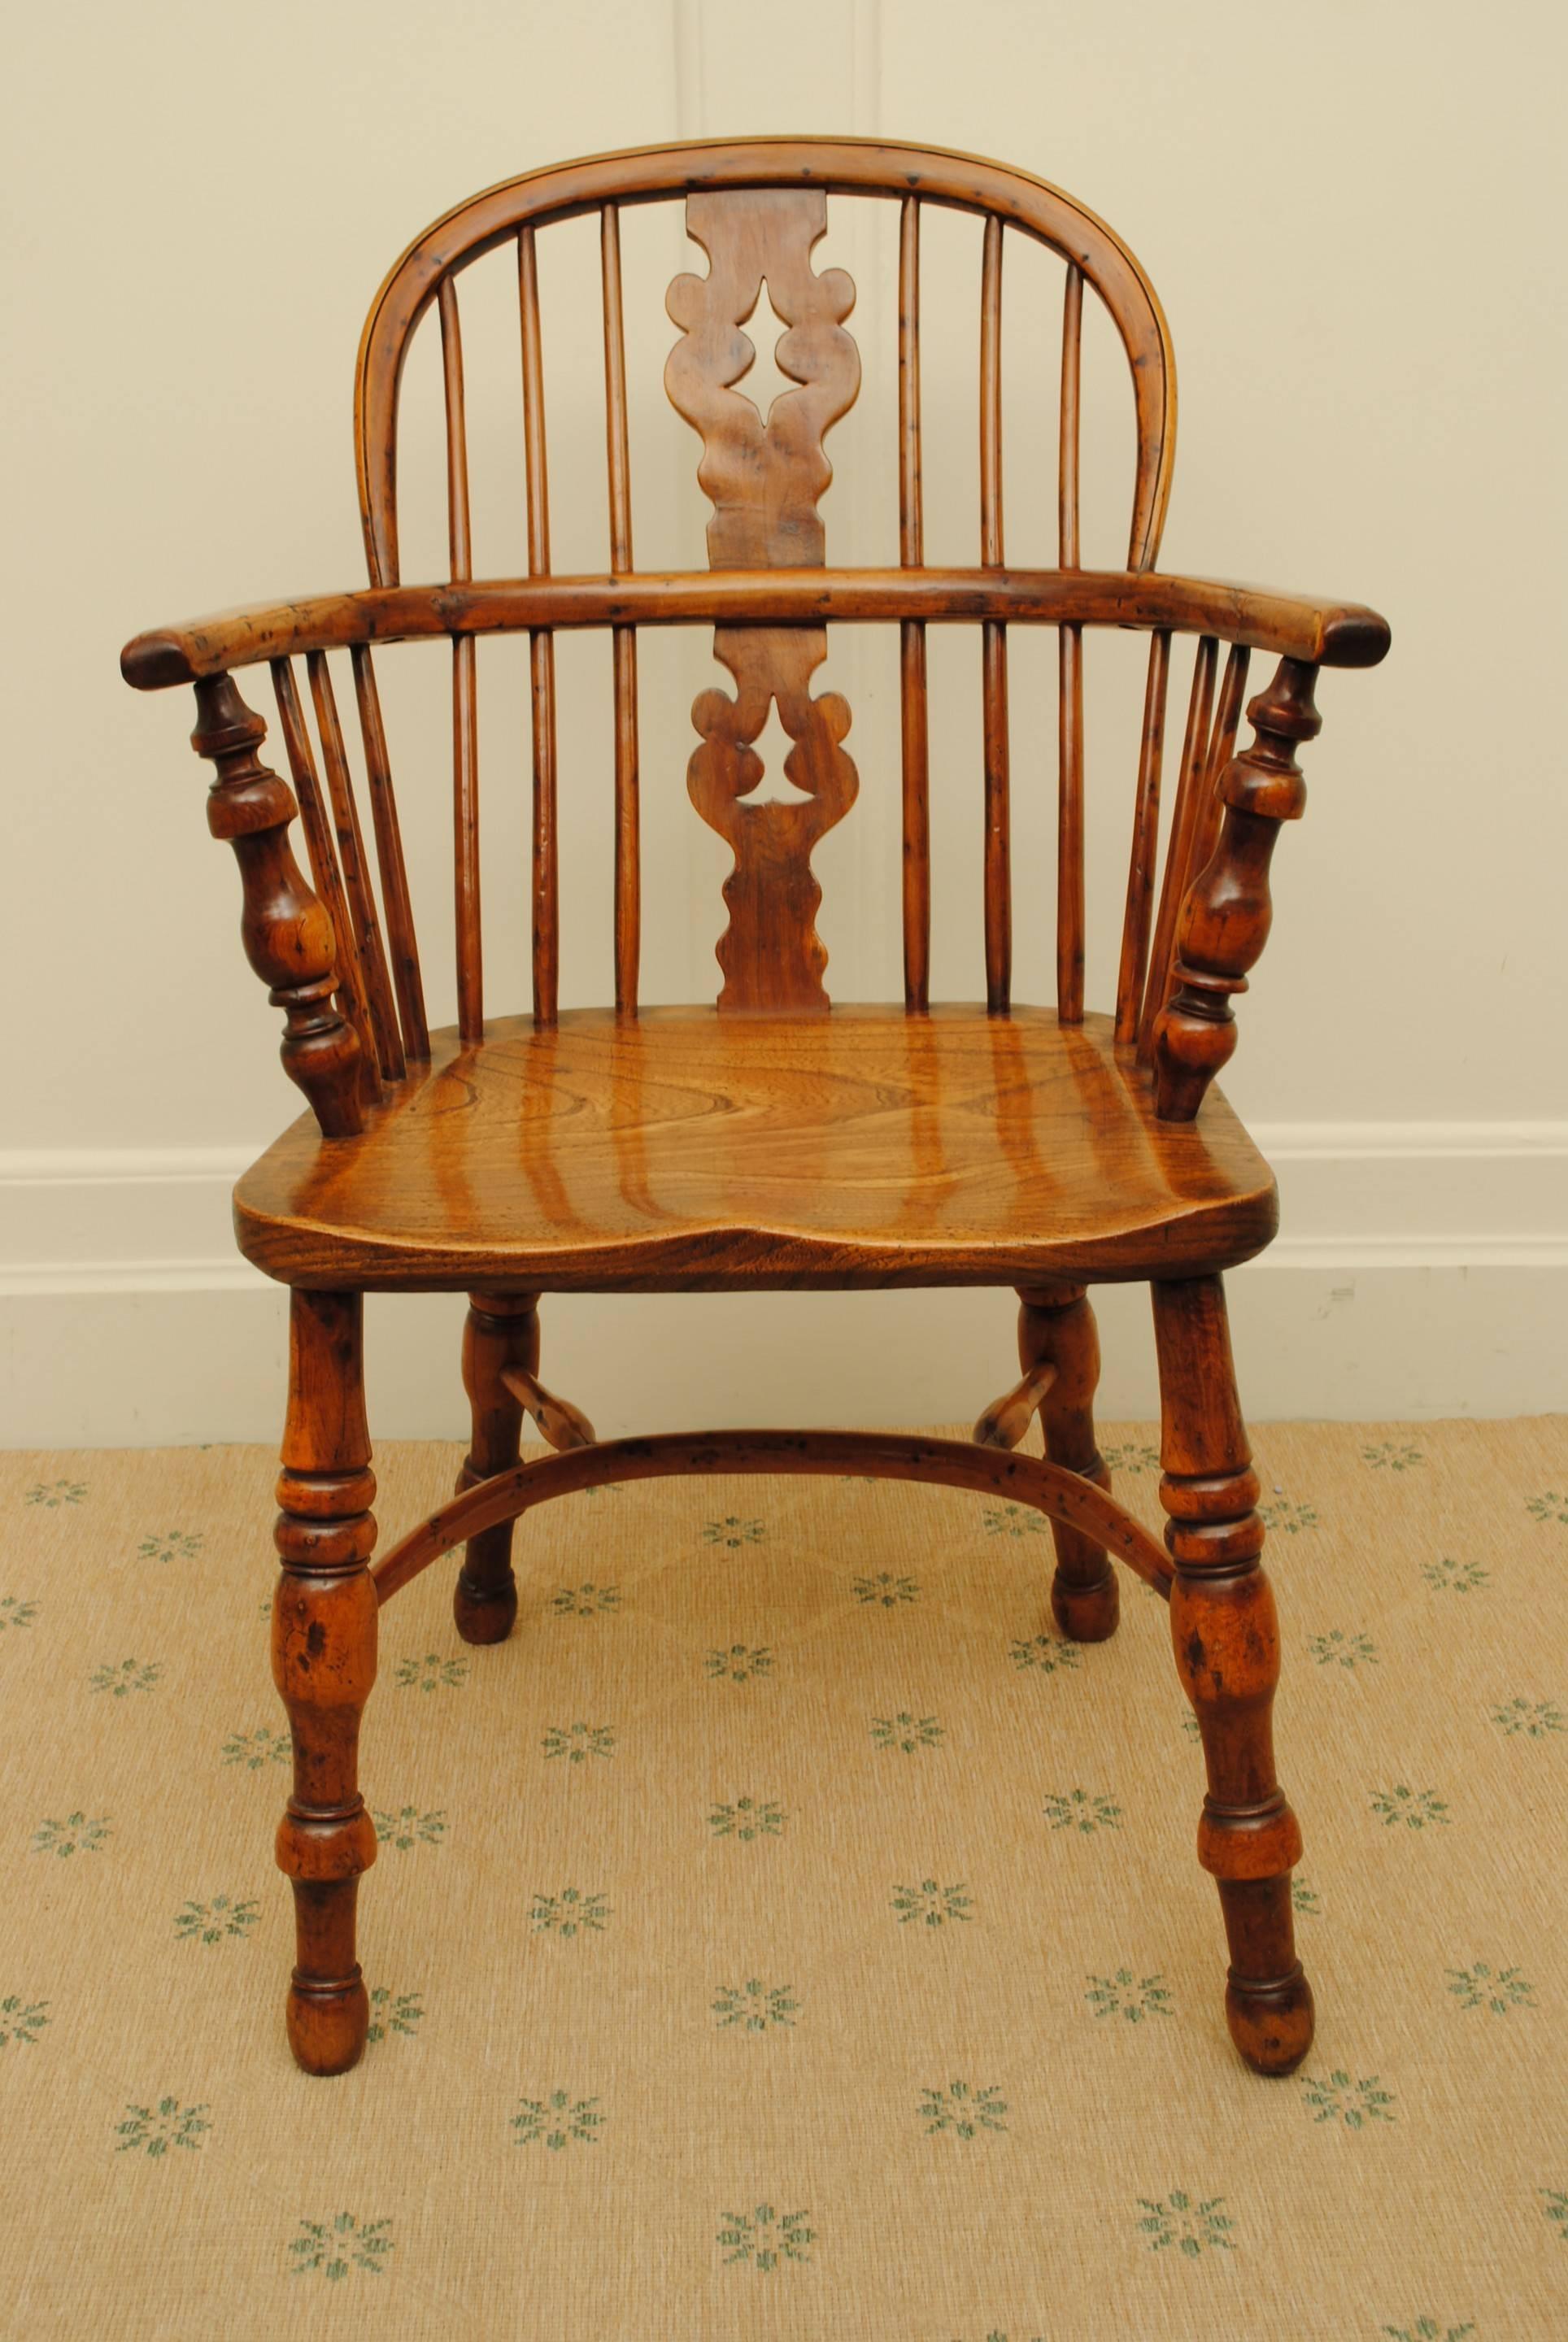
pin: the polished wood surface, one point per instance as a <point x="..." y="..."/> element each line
<point x="1143" y="860"/>
<point x="1226" y="1638"/>
<point x="858" y="166"/>
<point x="690" y="1149"/>
<point x="764" y="475"/>
<point x="1062" y="1495"/>
<point x="1316" y="628"/>
<point x="768" y="1141"/>
<point x="1184" y="814"/>
<point x="402" y="942"/>
<point x="1056" y="1328"/>
<point x="628" y="782"/>
<point x="501" y="1331"/>
<point x="324" y="1623"/>
<point x="914" y="722"/>
<point x="288" y="936"/>
<point x="1227" y="911"/>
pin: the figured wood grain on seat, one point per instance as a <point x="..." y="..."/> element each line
<point x="698" y="1150"/>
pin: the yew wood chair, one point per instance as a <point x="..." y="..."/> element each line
<point x="769" y="1142"/>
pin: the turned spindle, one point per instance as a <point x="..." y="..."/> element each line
<point x="287" y="932"/>
<point x="1228" y="912"/>
<point x="1226" y="1640"/>
<point x="324" y="1625"/>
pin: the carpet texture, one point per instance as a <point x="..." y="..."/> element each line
<point x="786" y="1934"/>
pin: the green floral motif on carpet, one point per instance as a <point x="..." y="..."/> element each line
<point x="739" y="1664"/>
<point x="1335" y="2098"/>
<point x="1191" y="2227"/>
<point x="930" y="1904"/>
<point x="963" y="2110"/>
<point x="1450" y="1577"/>
<point x="255" y="1749"/>
<point x="75" y="1834"/>
<point x="885" y="1589"/>
<point x="1049" y="1654"/>
<point x="732" y="1532"/>
<point x="174" y="1545"/>
<point x="53" y="1493"/>
<point x="336" y="2247"/>
<point x="391" y="2012"/>
<point x="1416" y="1808"/>
<point x="585" y="1601"/>
<point x="570" y="1912"/>
<point x="1128" y="1996"/>
<point x="906" y="1732"/>
<point x="432" y="1673"/>
<point x="21" y="2020"/>
<point x="119" y="1677"/>
<point x="154" y="2130"/>
<point x="749" y="1817"/>
<point x="578" y="1742"/>
<point x="556" y="2121"/>
<point x="754" y="2007"/>
<point x="408" y="1827"/>
<point x="764" y="2239"/>
<point x="1084" y="1810"/>
<point x="1498" y="1990"/>
<point x="210" y="1923"/>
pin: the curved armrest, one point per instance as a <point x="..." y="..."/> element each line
<point x="1309" y="628"/>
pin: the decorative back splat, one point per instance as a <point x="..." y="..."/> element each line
<point x="764" y="475"/>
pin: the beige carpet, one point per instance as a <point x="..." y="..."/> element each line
<point x="785" y="1936"/>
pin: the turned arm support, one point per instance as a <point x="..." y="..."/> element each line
<point x="1228" y="912"/>
<point x="287" y="932"/>
<point x="1314" y="628"/>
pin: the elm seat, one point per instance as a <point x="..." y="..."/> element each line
<point x="689" y="1149"/>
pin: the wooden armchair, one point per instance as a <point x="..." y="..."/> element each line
<point x="769" y="1143"/>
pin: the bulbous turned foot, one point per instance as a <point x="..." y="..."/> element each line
<point x="1085" y="1614"/>
<point x="328" y="2023"/>
<point x="1270" y="2024"/>
<point x="483" y="1614"/>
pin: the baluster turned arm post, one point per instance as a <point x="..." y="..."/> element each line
<point x="1228" y="912"/>
<point x="287" y="932"/>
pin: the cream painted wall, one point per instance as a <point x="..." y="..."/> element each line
<point x="1356" y="234"/>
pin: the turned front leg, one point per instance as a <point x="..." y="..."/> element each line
<point x="324" y="1664"/>
<point x="1227" y="1644"/>
<point x="502" y="1330"/>
<point x="1056" y="1328"/>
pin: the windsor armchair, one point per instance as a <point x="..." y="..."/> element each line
<point x="769" y="1142"/>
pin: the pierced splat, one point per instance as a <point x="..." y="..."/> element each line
<point x="770" y="952"/>
<point x="764" y="469"/>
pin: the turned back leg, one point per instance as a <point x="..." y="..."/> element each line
<point x="324" y="1664"/>
<point x="1227" y="1643"/>
<point x="502" y="1331"/>
<point x="1056" y="1326"/>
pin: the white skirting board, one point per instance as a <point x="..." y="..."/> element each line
<point x="1423" y="1272"/>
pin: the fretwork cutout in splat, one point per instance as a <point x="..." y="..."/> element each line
<point x="765" y="380"/>
<point x="764" y="469"/>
